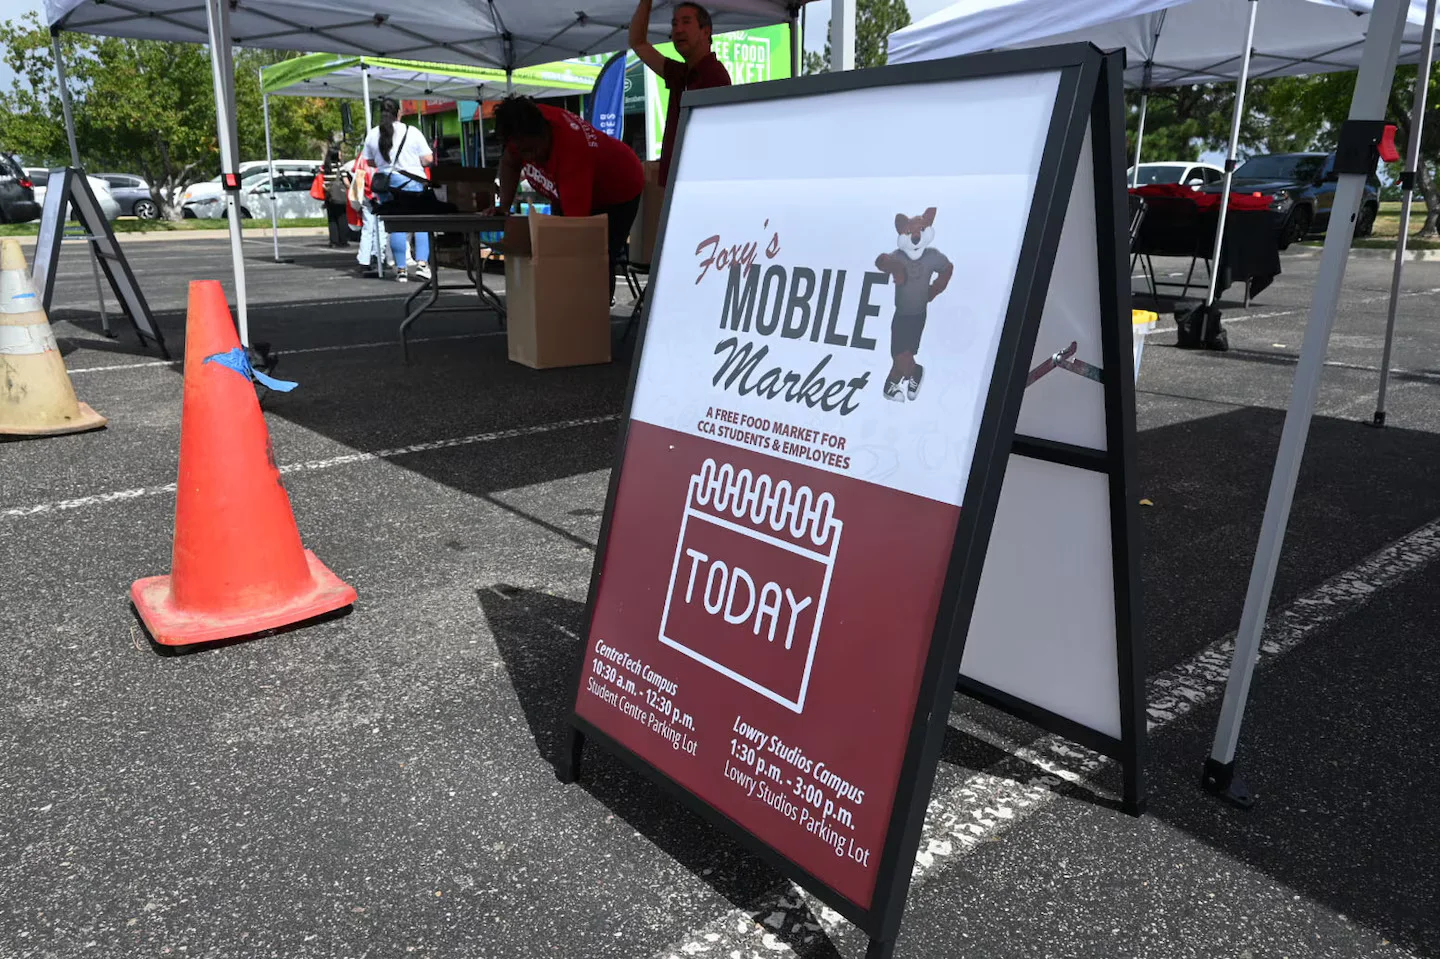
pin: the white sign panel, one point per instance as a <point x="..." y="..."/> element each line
<point x="803" y="294"/>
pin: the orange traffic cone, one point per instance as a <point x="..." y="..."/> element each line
<point x="36" y="398"/>
<point x="238" y="567"/>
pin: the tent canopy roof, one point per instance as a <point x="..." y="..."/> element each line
<point x="491" y="33"/>
<point x="1180" y="42"/>
<point x="329" y="75"/>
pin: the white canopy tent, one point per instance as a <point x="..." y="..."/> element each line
<point x="1172" y="43"/>
<point x="503" y="34"/>
<point x="1166" y="42"/>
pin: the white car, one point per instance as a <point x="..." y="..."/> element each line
<point x="99" y="187"/>
<point x="248" y="170"/>
<point x="291" y="199"/>
<point x="1197" y="176"/>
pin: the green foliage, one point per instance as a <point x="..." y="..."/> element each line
<point x="143" y="107"/>
<point x="875" y="20"/>
<point x="1180" y="122"/>
<point x="1287" y="115"/>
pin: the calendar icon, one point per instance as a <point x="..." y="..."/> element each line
<point x="750" y="579"/>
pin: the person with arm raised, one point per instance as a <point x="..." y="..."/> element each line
<point x="690" y="32"/>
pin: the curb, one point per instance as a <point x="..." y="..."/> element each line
<point x="1364" y="253"/>
<point x="160" y="235"/>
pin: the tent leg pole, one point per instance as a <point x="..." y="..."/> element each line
<point x="1140" y="137"/>
<point x="842" y="35"/>
<point x="365" y="92"/>
<point x="1372" y="86"/>
<point x="795" y="44"/>
<point x="222" y="71"/>
<point x="65" y="106"/>
<point x="1231" y="161"/>
<point x="798" y="67"/>
<point x="480" y="124"/>
<point x="270" y="164"/>
<point x="68" y="110"/>
<point x="1412" y="167"/>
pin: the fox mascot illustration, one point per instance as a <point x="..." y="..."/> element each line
<point x="921" y="273"/>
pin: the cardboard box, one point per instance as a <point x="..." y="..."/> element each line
<point x="471" y="189"/>
<point x="647" y="219"/>
<point x="557" y="293"/>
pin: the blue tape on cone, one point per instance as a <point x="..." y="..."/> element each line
<point x="239" y="361"/>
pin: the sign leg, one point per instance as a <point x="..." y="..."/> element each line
<point x="1132" y="801"/>
<point x="880" y="949"/>
<point x="569" y="766"/>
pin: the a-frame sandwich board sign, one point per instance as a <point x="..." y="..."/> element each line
<point x="821" y="419"/>
<point x="68" y="189"/>
<point x="1052" y="637"/>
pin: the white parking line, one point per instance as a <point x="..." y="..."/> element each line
<point x="304" y="349"/>
<point x="987" y="803"/>
<point x="122" y="366"/>
<point x="310" y="466"/>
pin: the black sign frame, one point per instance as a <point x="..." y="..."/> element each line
<point x="1089" y="92"/>
<point x="67" y="188"/>
<point x="1116" y="462"/>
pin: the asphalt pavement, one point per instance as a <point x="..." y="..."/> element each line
<point x="381" y="784"/>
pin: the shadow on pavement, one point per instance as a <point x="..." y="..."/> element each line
<point x="1338" y="745"/>
<point x="1359" y="489"/>
<point x="539" y="638"/>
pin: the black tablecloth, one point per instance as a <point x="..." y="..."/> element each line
<point x="1251" y="252"/>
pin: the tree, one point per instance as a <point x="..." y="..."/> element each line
<point x="299" y="126"/>
<point x="1180" y="122"/>
<point x="875" y="20"/>
<point x="142" y="106"/>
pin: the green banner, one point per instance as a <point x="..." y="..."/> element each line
<point x="751" y="56"/>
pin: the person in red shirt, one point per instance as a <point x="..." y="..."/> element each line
<point x="584" y="171"/>
<point x="690" y="32"/>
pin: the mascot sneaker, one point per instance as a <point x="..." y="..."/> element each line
<point x="912" y="382"/>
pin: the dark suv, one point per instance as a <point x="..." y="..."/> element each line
<point x="17" y="193"/>
<point x="1304" y="189"/>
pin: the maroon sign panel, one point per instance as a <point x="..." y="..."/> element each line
<point x="759" y="636"/>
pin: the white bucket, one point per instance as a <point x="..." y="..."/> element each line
<point x="1142" y="324"/>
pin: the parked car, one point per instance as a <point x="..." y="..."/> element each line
<point x="1304" y="188"/>
<point x="1197" y="175"/>
<point x="247" y="170"/>
<point x="133" y="195"/>
<point x="17" y="193"/>
<point x="99" y="187"/>
<point x="291" y="199"/>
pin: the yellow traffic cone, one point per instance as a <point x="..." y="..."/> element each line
<point x="36" y="398"/>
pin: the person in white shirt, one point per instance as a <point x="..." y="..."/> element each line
<point x="400" y="155"/>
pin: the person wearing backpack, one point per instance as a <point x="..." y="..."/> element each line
<point x="400" y="155"/>
<point x="374" y="250"/>
<point x="337" y="189"/>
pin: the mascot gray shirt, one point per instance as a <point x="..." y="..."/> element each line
<point x="912" y="295"/>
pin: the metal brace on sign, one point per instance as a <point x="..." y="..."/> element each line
<point x="1065" y="360"/>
